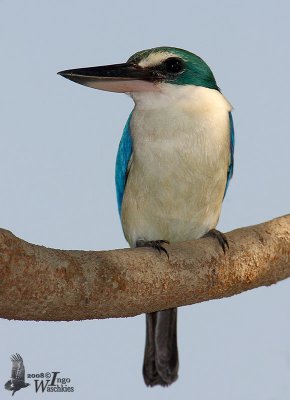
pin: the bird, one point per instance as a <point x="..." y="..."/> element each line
<point x="174" y="163"/>
<point x="17" y="380"/>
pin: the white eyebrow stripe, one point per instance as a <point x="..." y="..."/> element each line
<point x="155" y="59"/>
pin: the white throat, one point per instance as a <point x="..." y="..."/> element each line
<point x="187" y="97"/>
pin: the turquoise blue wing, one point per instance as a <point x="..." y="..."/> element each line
<point x="232" y="148"/>
<point x="122" y="161"/>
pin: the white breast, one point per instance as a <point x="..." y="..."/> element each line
<point x="179" y="164"/>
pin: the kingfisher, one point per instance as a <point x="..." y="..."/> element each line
<point x="173" y="167"/>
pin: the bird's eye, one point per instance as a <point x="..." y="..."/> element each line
<point x="173" y="65"/>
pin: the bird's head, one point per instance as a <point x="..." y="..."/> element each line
<point x="147" y="71"/>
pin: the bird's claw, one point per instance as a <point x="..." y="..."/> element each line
<point x="154" y="244"/>
<point x="221" y="237"/>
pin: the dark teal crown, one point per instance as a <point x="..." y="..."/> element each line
<point x="180" y="68"/>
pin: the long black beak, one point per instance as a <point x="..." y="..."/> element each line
<point x="117" y="77"/>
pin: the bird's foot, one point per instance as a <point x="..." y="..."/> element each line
<point x="221" y="237"/>
<point x="155" y="244"/>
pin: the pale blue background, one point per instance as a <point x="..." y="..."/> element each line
<point x="58" y="146"/>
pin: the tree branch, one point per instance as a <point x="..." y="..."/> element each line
<point x="38" y="283"/>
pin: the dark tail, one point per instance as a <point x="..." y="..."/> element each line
<point x="161" y="354"/>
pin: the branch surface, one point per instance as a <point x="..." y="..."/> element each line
<point x="38" y="283"/>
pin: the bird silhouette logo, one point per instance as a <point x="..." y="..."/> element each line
<point x="17" y="380"/>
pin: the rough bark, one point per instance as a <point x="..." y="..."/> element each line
<point x="38" y="283"/>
